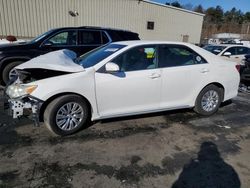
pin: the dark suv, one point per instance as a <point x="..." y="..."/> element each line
<point x="78" y="39"/>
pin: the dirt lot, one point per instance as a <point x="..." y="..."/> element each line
<point x="172" y="149"/>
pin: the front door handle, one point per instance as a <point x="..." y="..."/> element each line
<point x="204" y="70"/>
<point x="155" y="75"/>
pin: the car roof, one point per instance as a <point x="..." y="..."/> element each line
<point x="226" y="45"/>
<point x="150" y="42"/>
<point x="94" y="27"/>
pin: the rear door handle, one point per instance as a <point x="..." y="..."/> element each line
<point x="204" y="70"/>
<point x="155" y="75"/>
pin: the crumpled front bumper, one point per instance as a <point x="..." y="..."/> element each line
<point x="26" y="105"/>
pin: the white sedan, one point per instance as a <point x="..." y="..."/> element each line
<point x="229" y="52"/>
<point x="121" y="79"/>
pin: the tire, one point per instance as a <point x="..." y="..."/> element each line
<point x="7" y="69"/>
<point x="54" y="113"/>
<point x="208" y="107"/>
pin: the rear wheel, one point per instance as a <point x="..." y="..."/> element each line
<point x="66" y="115"/>
<point x="9" y="71"/>
<point x="209" y="100"/>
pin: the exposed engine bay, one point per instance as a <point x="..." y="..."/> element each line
<point x="29" y="75"/>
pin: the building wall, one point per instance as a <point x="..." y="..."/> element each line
<point x="29" y="18"/>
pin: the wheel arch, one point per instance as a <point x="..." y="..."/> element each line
<point x="219" y="85"/>
<point x="49" y="100"/>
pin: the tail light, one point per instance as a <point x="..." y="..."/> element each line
<point x="237" y="67"/>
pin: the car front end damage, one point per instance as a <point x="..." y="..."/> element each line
<point x="27" y="105"/>
<point x="21" y="103"/>
<point x="19" y="93"/>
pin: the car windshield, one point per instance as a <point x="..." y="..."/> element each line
<point x="41" y="36"/>
<point x="95" y="56"/>
<point x="214" y="49"/>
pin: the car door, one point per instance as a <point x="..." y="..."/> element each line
<point x="183" y="73"/>
<point x="135" y="88"/>
<point x="66" y="39"/>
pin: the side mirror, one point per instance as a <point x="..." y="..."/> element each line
<point x="227" y="54"/>
<point x="112" y="67"/>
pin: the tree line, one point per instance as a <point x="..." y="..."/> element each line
<point x="217" y="20"/>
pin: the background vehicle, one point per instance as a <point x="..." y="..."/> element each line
<point x="231" y="52"/>
<point x="121" y="79"/>
<point x="77" y="39"/>
<point x="245" y="72"/>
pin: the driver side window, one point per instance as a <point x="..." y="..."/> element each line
<point x="63" y="38"/>
<point x="138" y="58"/>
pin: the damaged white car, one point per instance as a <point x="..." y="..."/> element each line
<point x="120" y="79"/>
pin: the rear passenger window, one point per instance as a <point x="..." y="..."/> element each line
<point x="114" y="36"/>
<point x="90" y="37"/>
<point x="172" y="56"/>
<point x="122" y="35"/>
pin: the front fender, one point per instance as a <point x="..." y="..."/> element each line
<point x="81" y="83"/>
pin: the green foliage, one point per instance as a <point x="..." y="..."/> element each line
<point x="247" y="17"/>
<point x="234" y="16"/>
<point x="199" y="9"/>
<point x="174" y="4"/>
<point x="216" y="15"/>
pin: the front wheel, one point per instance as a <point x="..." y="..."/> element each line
<point x="209" y="100"/>
<point x="66" y="115"/>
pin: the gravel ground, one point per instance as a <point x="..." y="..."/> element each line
<point x="177" y="149"/>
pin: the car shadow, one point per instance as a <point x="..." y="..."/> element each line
<point x="209" y="170"/>
<point x="226" y="103"/>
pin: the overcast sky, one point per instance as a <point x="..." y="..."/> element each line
<point x="243" y="5"/>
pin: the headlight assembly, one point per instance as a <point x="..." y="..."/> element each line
<point x="16" y="90"/>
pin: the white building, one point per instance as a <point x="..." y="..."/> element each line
<point x="153" y="21"/>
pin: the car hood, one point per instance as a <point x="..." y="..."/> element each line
<point x="61" y="60"/>
<point x="19" y="45"/>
